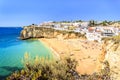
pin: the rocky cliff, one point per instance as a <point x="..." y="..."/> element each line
<point x="113" y="57"/>
<point x="42" y="32"/>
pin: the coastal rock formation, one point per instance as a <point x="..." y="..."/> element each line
<point x="113" y="57"/>
<point x="43" y="32"/>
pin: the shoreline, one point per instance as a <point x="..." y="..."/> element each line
<point x="54" y="53"/>
<point x="86" y="53"/>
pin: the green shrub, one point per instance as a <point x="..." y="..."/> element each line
<point x="50" y="69"/>
<point x="45" y="69"/>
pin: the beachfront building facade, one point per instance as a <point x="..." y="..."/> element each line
<point x="99" y="32"/>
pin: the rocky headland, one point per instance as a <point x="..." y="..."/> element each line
<point x="43" y="32"/>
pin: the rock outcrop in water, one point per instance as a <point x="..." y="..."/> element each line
<point x="43" y="32"/>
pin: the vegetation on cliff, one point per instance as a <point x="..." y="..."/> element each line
<point x="46" y="69"/>
<point x="115" y="39"/>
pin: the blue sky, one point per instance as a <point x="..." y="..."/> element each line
<point x="25" y="12"/>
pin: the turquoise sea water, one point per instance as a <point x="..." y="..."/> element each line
<point x="12" y="50"/>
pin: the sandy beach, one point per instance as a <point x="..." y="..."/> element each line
<point x="87" y="53"/>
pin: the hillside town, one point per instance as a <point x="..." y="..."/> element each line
<point x="93" y="30"/>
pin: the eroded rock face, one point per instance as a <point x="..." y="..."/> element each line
<point x="42" y="32"/>
<point x="113" y="57"/>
